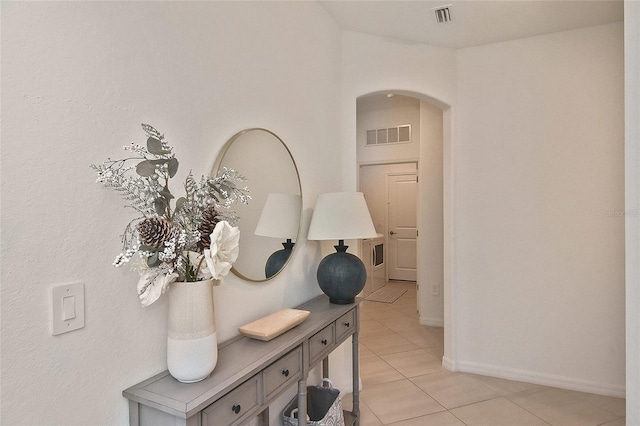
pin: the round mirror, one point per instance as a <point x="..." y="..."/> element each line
<point x="270" y="223"/>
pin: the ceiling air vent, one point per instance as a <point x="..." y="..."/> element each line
<point x="443" y="14"/>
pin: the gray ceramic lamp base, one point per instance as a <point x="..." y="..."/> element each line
<point x="341" y="276"/>
<point x="278" y="259"/>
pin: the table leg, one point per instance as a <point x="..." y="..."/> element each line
<point x="356" y="377"/>
<point x="302" y="402"/>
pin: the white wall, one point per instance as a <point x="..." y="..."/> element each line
<point x="371" y="117"/>
<point x="632" y="205"/>
<point x="77" y="80"/>
<point x="539" y="167"/>
<point x="431" y="208"/>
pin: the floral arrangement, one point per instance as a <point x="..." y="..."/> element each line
<point x="191" y="238"/>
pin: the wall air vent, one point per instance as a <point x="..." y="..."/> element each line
<point x="391" y="135"/>
<point x="443" y="14"/>
<point x="372" y="137"/>
<point x="382" y="136"/>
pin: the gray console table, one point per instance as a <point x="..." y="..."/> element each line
<point x="250" y="374"/>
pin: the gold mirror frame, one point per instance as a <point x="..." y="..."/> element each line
<point x="266" y="161"/>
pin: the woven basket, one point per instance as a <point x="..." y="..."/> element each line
<point x="324" y="407"/>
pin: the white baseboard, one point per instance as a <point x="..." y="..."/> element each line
<point x="536" y="378"/>
<point x="432" y="322"/>
<point x="448" y="364"/>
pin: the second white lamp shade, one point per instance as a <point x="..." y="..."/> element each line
<point x="341" y="216"/>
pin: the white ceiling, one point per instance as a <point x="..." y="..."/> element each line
<point x="473" y="22"/>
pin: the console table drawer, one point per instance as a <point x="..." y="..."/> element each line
<point x="345" y="325"/>
<point x="233" y="406"/>
<point x="286" y="370"/>
<point x="321" y="343"/>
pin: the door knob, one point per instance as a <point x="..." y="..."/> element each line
<point x="392" y="233"/>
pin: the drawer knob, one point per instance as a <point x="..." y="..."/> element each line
<point x="285" y="373"/>
<point x="346" y="324"/>
<point x="324" y="342"/>
<point x="236" y="408"/>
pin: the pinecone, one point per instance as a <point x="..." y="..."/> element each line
<point x="209" y="220"/>
<point x="155" y="231"/>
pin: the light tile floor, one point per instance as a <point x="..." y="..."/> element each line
<point x="404" y="383"/>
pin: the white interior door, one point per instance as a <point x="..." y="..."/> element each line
<point x="402" y="226"/>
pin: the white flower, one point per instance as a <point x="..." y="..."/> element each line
<point x="153" y="284"/>
<point x="223" y="251"/>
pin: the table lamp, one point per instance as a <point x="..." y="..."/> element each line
<point x="280" y="218"/>
<point x="341" y="216"/>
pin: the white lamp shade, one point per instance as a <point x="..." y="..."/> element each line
<point x="341" y="216"/>
<point x="280" y="216"/>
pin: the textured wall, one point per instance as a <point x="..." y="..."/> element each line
<point x="539" y="164"/>
<point x="78" y="78"/>
<point x="632" y="205"/>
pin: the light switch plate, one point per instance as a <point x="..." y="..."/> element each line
<point x="67" y="302"/>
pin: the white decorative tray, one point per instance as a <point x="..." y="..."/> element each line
<point x="274" y="325"/>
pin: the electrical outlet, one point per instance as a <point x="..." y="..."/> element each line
<point x="435" y="290"/>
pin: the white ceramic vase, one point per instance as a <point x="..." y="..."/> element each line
<point x="192" y="344"/>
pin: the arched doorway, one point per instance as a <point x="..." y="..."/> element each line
<point x="432" y="155"/>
